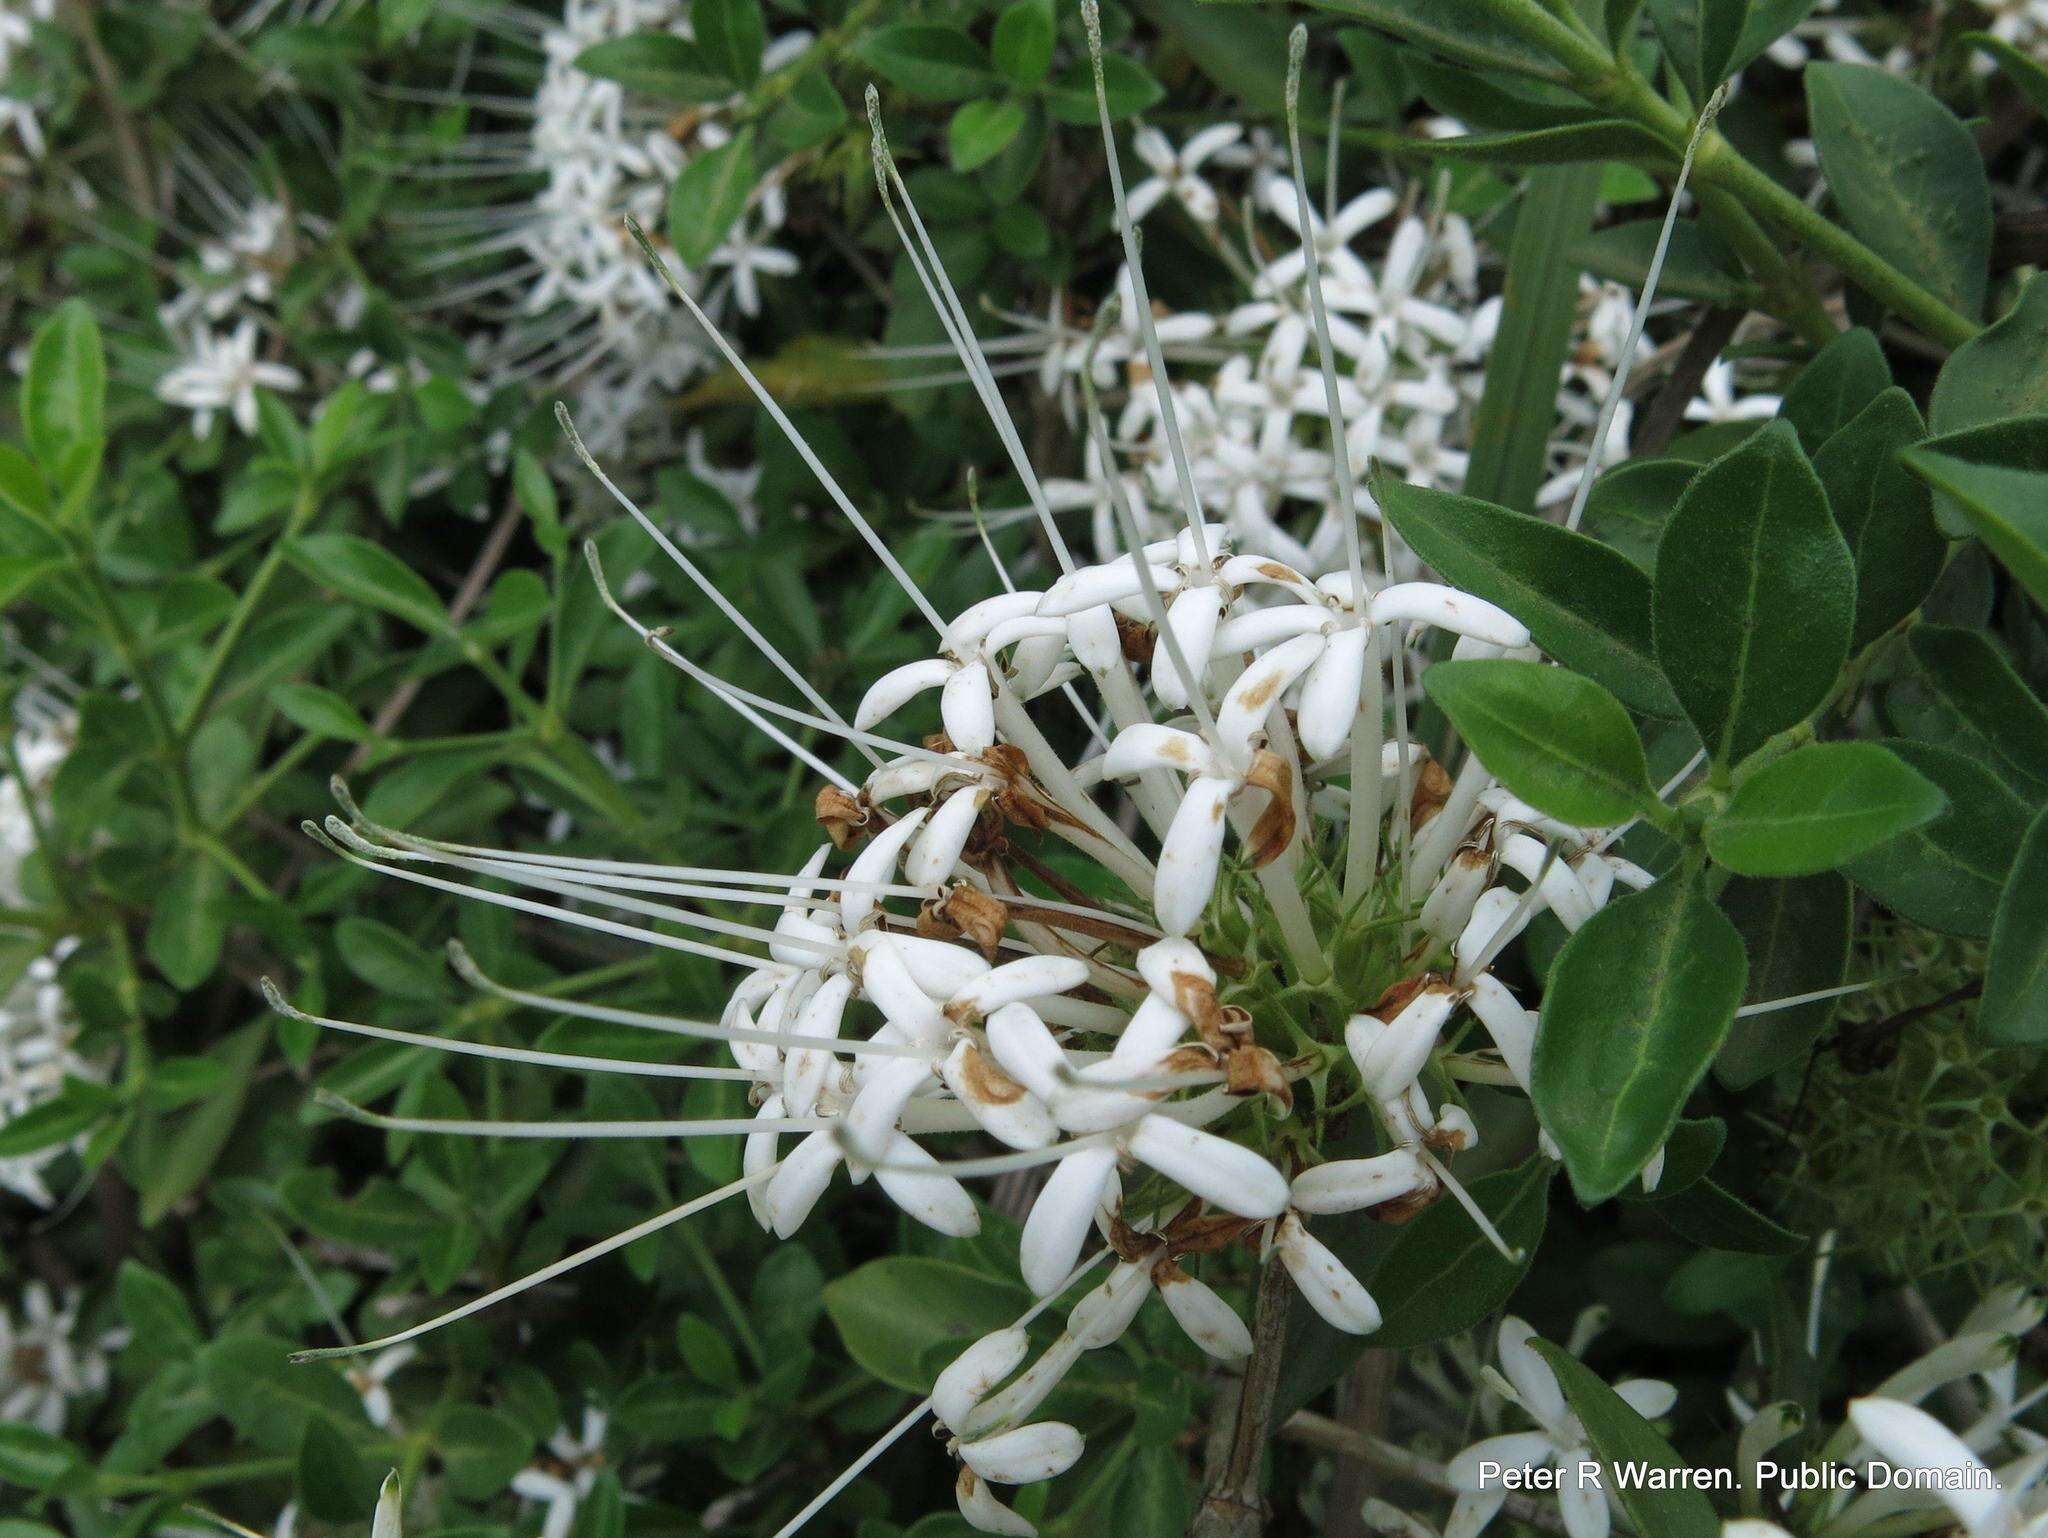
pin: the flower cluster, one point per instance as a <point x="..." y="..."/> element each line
<point x="47" y="1360"/>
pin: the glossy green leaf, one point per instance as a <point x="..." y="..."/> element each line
<point x="1988" y="710"/>
<point x="2000" y="372"/>
<point x="1884" y="511"/>
<point x="1560" y="742"/>
<point x="982" y="130"/>
<point x="64" y="394"/>
<point x="1995" y="479"/>
<point x="1700" y="38"/>
<point x="902" y="1318"/>
<point x="1586" y="605"/>
<point x="1630" y="1446"/>
<point x="731" y="34"/>
<point x="1755" y="595"/>
<point x="656" y="64"/>
<point x="1819" y="807"/>
<point x="1710" y="1216"/>
<point x="931" y="61"/>
<point x="1462" y="30"/>
<point x="709" y="197"/>
<point x="365" y="572"/>
<point x="1844" y="377"/>
<point x="1022" y="45"/>
<point x="1948" y="874"/>
<point x="1639" y="1002"/>
<point x="1601" y="140"/>
<point x="2014" y="1009"/>
<point x="1906" y="176"/>
<point x="1796" y="934"/>
<point x="1443" y="1276"/>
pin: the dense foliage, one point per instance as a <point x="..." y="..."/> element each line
<point x="1458" y="597"/>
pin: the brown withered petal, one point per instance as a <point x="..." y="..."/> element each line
<point x="1274" y="830"/>
<point x="1405" y="1209"/>
<point x="965" y="913"/>
<point x="843" y="818"/>
<point x="1139" y="640"/>
<point x="1253" y="1070"/>
<point x="1397" y="996"/>
<point x="1432" y="790"/>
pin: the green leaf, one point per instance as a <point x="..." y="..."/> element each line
<point x="321" y="712"/>
<point x="1640" y="1000"/>
<point x="173" y="1171"/>
<point x="389" y="961"/>
<point x="1949" y="874"/>
<point x="1462" y="30"/>
<point x="1560" y="742"/>
<point x="709" y="197"/>
<point x="270" y="1399"/>
<point x="34" y="1459"/>
<point x="481" y="1450"/>
<point x="1755" y="595"/>
<point x="1631" y="504"/>
<point x="1511" y="432"/>
<point x="1796" y="935"/>
<point x="367" y="573"/>
<point x="1885" y="514"/>
<point x="902" y="1318"/>
<point x="155" y="1310"/>
<point x="1597" y="142"/>
<point x="1844" y="377"/>
<point x="1710" y="1216"/>
<point x="2014" y="1010"/>
<point x="1126" y="84"/>
<point x="657" y="64"/>
<point x="1986" y="703"/>
<point x="1023" y="42"/>
<point x="1768" y="21"/>
<point x="731" y="34"/>
<point x="2000" y="372"/>
<point x="1443" y="1276"/>
<point x="1627" y="1443"/>
<point x="189" y="923"/>
<point x="981" y="130"/>
<point x="65" y="1116"/>
<point x="1819" y="807"/>
<point x="64" y="395"/>
<point x="1700" y="38"/>
<point x="931" y="61"/>
<point x="2021" y="69"/>
<point x="1995" y="477"/>
<point x="334" y="1484"/>
<point x="1696" y="264"/>
<point x="1907" y="177"/>
<point x="1585" y="604"/>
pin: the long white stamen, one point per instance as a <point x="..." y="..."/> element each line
<point x="530" y="1056"/>
<point x="1442" y="1172"/>
<point x="994" y="1164"/>
<point x="704" y="584"/>
<point x="788" y="428"/>
<point x="1618" y="386"/>
<point x="1368" y="795"/>
<point x="1510" y="926"/>
<point x="1793" y="1001"/>
<point x="548" y="1273"/>
<point x="939" y="289"/>
<point x="1169" y="417"/>
<point x="724" y="1126"/>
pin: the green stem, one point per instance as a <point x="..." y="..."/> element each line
<point x="244" y="611"/>
<point x="728" y="1300"/>
<point x="189" y="1481"/>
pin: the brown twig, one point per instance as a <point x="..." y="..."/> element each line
<point x="1661" y="418"/>
<point x="1232" y="1503"/>
<point x="1863" y="1045"/>
<point x="1362" y="1396"/>
<point x="1396" y="1462"/>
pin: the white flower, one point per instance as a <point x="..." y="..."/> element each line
<point x="371" y="1382"/>
<point x="1178" y="174"/>
<point x="1557" y="1438"/>
<point x="1719" y="400"/>
<point x="37" y="1054"/>
<point x="564" y="1473"/>
<point x="745" y="253"/>
<point x="45" y="1364"/>
<point x="222" y="373"/>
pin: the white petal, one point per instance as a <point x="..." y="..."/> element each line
<point x="1515" y="1450"/>
<point x="1512" y="1027"/>
<point x="983" y="1512"/>
<point x="875" y="863"/>
<point x="936" y="850"/>
<point x="1092" y="586"/>
<point x="940" y="967"/>
<point x="970" y="1376"/>
<point x="1398" y="1054"/>
<point x="1209" y="1322"/>
<point x="1535" y="1384"/>
<point x="1189" y="854"/>
<point x="1191" y="618"/>
<point x="1909" y="1437"/>
<point x="897" y="687"/>
<point x="1490" y="914"/>
<point x="1061" y="1217"/>
<point x="1581" y="1502"/>
<point x="1161" y="962"/>
<point x="1431" y="603"/>
<point x="885" y="981"/>
<point x="885" y="1090"/>
<point x="1221" y="1172"/>
<point x="1102" y="1316"/>
<point x="1261" y="628"/>
<point x="1648" y="1397"/>
<point x="1026" y="1050"/>
<point x="794" y="1189"/>
<point x="1325" y="1281"/>
<point x="1151" y="746"/>
<point x="1004" y="1108"/>
<point x="935" y="1199"/>
<point x="1031" y="977"/>
<point x="1347" y="1185"/>
<point x="1155" y="1030"/>
<point x="1042" y="1450"/>
<point x="756" y="1154"/>
<point x="1258" y="689"/>
<point x="968" y="709"/>
<point x="967" y="633"/>
<point x="1330" y="694"/>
